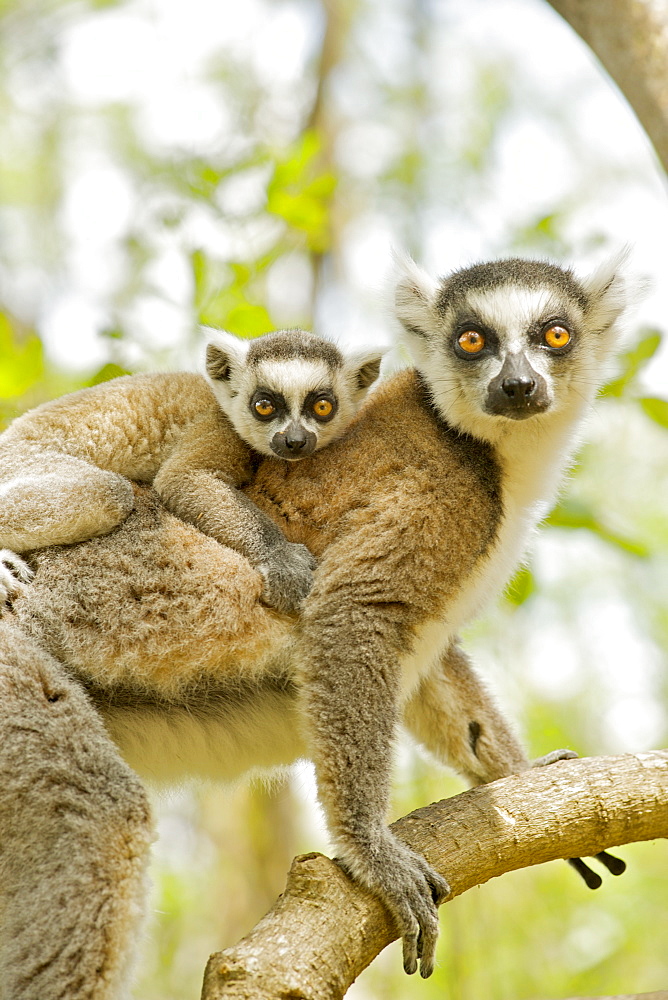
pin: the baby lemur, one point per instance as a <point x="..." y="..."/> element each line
<point x="418" y="516"/>
<point x="65" y="467"/>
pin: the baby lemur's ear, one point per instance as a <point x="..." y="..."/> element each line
<point x="414" y="298"/>
<point x="223" y="354"/>
<point x="363" y="367"/>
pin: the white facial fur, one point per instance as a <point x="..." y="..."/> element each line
<point x="513" y="314"/>
<point x="293" y="377"/>
<point x="294" y="381"/>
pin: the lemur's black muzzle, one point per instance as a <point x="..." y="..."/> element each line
<point x="294" y="442"/>
<point x="517" y="391"/>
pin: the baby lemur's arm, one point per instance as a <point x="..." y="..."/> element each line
<point x="65" y="469"/>
<point x="198" y="482"/>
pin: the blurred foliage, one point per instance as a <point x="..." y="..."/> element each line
<point x="105" y="373"/>
<point x="656" y="409"/>
<point x="253" y="218"/>
<point x="226" y="304"/>
<point x="632" y="362"/>
<point x="25" y="378"/>
<point x="301" y="194"/>
<point x="574" y="514"/>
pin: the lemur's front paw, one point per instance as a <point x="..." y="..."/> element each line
<point x="410" y="889"/>
<point x="15" y="574"/>
<point x="288" y="577"/>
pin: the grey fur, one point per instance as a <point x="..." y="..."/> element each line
<point x="288" y="345"/>
<point x="513" y="271"/>
<point x="76" y="829"/>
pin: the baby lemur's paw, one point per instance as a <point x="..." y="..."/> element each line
<point x="553" y="757"/>
<point x="410" y="889"/>
<point x="15" y="574"/>
<point x="288" y="576"/>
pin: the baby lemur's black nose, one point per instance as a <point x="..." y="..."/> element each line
<point x="518" y="388"/>
<point x="296" y="441"/>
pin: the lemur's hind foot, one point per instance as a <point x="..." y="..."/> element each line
<point x="591" y="878"/>
<point x="614" y="865"/>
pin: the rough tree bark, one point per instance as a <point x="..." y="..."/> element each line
<point x="630" y="37"/>
<point x="324" y="930"/>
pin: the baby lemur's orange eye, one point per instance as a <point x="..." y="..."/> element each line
<point x="556" y="336"/>
<point x="471" y="341"/>
<point x="264" y="407"/>
<point x="323" y="407"/>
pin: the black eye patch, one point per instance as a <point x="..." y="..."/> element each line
<point x="555" y="335"/>
<point x="266" y="405"/>
<point x="321" y="404"/>
<point x="470" y="323"/>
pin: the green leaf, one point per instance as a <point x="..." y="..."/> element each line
<point x="245" y="319"/>
<point x="576" y="515"/>
<point x="656" y="409"/>
<point x="632" y="362"/>
<point x="21" y="359"/>
<point x="549" y="225"/>
<point x="225" y="303"/>
<point x="198" y="264"/>
<point x="106" y="373"/>
<point x="571" y="514"/>
<point x="300" y="192"/>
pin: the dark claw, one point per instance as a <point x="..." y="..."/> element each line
<point x="590" y="878"/>
<point x="440" y="893"/>
<point x="614" y="865"/>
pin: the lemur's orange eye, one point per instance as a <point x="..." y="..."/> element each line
<point x="471" y="341"/>
<point x="556" y="336"/>
<point x="323" y="407"/>
<point x="264" y="407"/>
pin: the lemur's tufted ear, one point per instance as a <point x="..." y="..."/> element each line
<point x="362" y="367"/>
<point x="607" y="291"/>
<point x="414" y="297"/>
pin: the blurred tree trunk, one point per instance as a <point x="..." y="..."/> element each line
<point x="324" y="930"/>
<point x="256" y="832"/>
<point x="630" y="37"/>
<point x="338" y="16"/>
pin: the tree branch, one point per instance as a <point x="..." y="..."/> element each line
<point x="630" y="37"/>
<point x="324" y="930"/>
